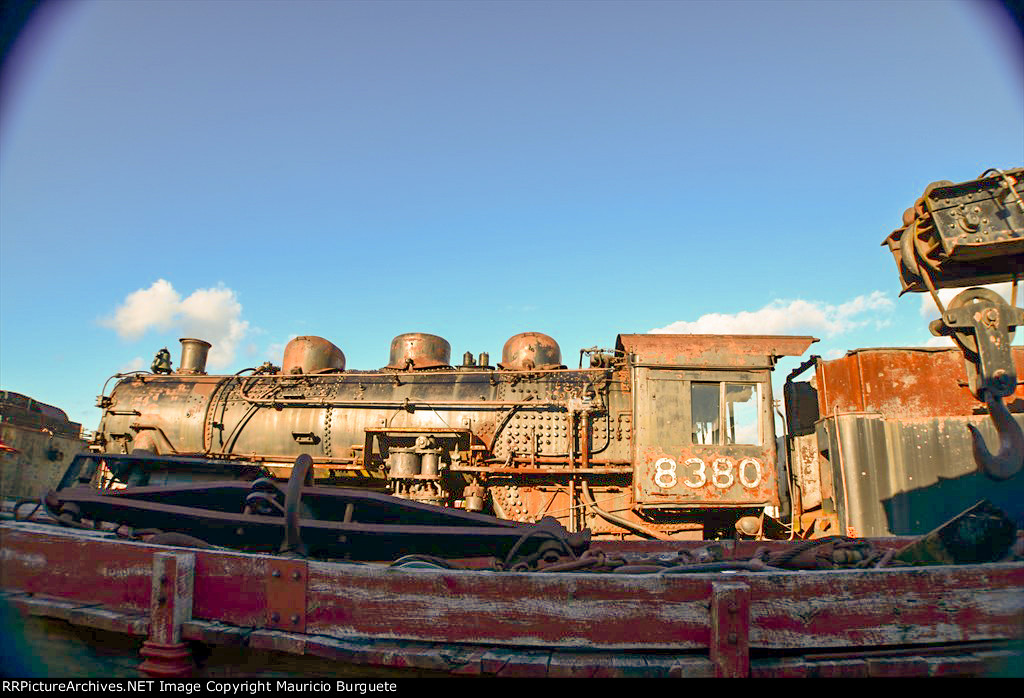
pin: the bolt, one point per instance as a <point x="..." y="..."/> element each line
<point x="295" y="619"/>
<point x="732" y="638"/>
<point x="296" y="576"/>
<point x="990" y="317"/>
<point x="161" y="600"/>
<point x="1003" y="382"/>
<point x="732" y="607"/>
<point x="275" y="617"/>
<point x="275" y="573"/>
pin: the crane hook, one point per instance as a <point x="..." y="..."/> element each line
<point x="1010" y="458"/>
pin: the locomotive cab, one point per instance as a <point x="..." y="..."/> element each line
<point x="705" y="432"/>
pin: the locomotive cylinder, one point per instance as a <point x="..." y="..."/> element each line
<point x="404" y="462"/>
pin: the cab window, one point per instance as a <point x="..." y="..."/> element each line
<point x="725" y="413"/>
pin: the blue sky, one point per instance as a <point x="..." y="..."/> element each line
<point x="250" y="171"/>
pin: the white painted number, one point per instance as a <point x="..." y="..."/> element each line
<point x="756" y="480"/>
<point x="665" y="469"/>
<point x="700" y="473"/>
<point x="721" y="473"/>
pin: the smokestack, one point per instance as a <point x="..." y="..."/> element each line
<point x="193" y="357"/>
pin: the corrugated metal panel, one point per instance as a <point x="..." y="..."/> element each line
<point x="903" y="477"/>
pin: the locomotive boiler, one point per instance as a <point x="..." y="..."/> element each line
<point x="663" y="436"/>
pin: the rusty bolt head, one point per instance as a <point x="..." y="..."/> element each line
<point x="296" y="576"/>
<point x="161" y="600"/>
<point x="1003" y="382"/>
<point x="275" y="573"/>
<point x="732" y="638"/>
<point x="295" y="619"/>
<point x="990" y="317"/>
<point x="275" y="616"/>
<point x="732" y="607"/>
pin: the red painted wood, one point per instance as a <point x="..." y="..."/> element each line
<point x="231" y="587"/>
<point x="730" y="629"/>
<point x="898" y="606"/>
<point x="164" y="654"/>
<point x="585" y="611"/>
<point x="796" y="610"/>
<point x="83" y="568"/>
<point x="171" y="599"/>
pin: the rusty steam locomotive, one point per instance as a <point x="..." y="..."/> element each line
<point x="664" y="436"/>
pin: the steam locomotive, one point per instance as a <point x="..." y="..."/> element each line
<point x="663" y="436"/>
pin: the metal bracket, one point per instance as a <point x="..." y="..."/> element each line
<point x="983" y="324"/>
<point x="286" y="595"/>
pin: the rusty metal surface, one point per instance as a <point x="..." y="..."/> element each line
<point x="483" y="430"/>
<point x="22" y="411"/>
<point x="530" y="350"/>
<point x="311" y="355"/>
<point x="286" y="595"/>
<point x="35" y="460"/>
<point x="896" y="445"/>
<point x="711" y="350"/>
<point x="671" y="468"/>
<point x="419" y="350"/>
<point x="37" y="444"/>
<point x="193" y="356"/>
<point x="904" y="384"/>
<point x="803" y="461"/>
<point x="962" y="234"/>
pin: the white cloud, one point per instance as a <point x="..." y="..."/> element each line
<point x="153" y="307"/>
<point x="136" y="364"/>
<point x="213" y="314"/>
<point x="930" y="311"/>
<point x="791" y="317"/>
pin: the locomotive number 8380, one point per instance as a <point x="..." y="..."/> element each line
<point x="663" y="436"/>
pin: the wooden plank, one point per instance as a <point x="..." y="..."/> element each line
<point x="878" y="608"/>
<point x="730" y="629"/>
<point x="570" y="612"/>
<point x="525" y="610"/>
<point x="171" y="598"/>
<point x="84" y="568"/>
<point x="231" y="588"/>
